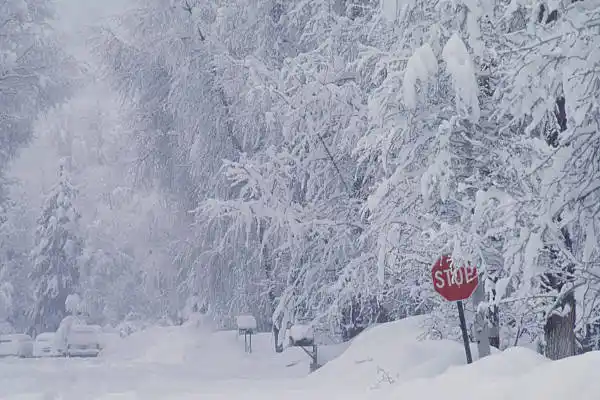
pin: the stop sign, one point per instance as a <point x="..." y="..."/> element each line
<point x="453" y="283"/>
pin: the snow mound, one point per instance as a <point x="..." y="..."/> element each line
<point x="165" y="345"/>
<point x="511" y="362"/>
<point x="560" y="380"/>
<point x="394" y="352"/>
<point x="200" y="321"/>
<point x="391" y="361"/>
<point x="516" y="373"/>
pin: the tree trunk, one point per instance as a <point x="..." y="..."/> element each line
<point x="559" y="331"/>
<point x="494" y="327"/>
<point x="268" y="268"/>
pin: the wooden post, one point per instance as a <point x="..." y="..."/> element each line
<point x="314" y="364"/>
<point x="248" y="341"/>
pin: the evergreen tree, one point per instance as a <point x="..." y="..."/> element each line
<point x="55" y="256"/>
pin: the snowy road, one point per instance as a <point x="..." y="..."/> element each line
<point x="79" y="379"/>
<point x="93" y="377"/>
<point x="162" y="363"/>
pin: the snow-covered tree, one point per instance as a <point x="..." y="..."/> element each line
<point x="555" y="98"/>
<point x="6" y="303"/>
<point x="33" y="71"/>
<point x="198" y="97"/>
<point x="35" y="74"/>
<point x="56" y="256"/>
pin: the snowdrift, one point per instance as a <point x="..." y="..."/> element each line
<point x="163" y="344"/>
<point x="516" y="373"/>
<point x="390" y="361"/>
<point x="213" y="354"/>
<point x="393" y="352"/>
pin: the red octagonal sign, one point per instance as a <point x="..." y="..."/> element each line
<point x="453" y="283"/>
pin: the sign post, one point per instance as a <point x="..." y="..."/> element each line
<point x="463" y="328"/>
<point x="456" y="284"/>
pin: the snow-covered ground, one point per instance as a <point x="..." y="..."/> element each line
<point x="386" y="362"/>
<point x="162" y="362"/>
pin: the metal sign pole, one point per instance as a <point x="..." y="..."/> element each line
<point x="463" y="328"/>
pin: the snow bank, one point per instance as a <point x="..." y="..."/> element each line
<point x="391" y="362"/>
<point x="391" y="353"/>
<point x="163" y="345"/>
<point x="559" y="380"/>
<point x="199" y="320"/>
<point x="516" y="373"/>
<point x="110" y="340"/>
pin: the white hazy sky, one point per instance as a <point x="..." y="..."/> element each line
<point x="74" y="16"/>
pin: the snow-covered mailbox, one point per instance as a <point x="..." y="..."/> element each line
<point x="303" y="336"/>
<point x="246" y="325"/>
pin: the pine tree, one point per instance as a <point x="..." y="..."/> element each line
<point x="55" y="256"/>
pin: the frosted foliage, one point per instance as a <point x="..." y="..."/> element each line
<point x="420" y="67"/>
<point x="534" y="99"/>
<point x="389" y="9"/>
<point x="73" y="303"/>
<point x="461" y="68"/>
<point x="31" y="78"/>
<point x="6" y="301"/>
